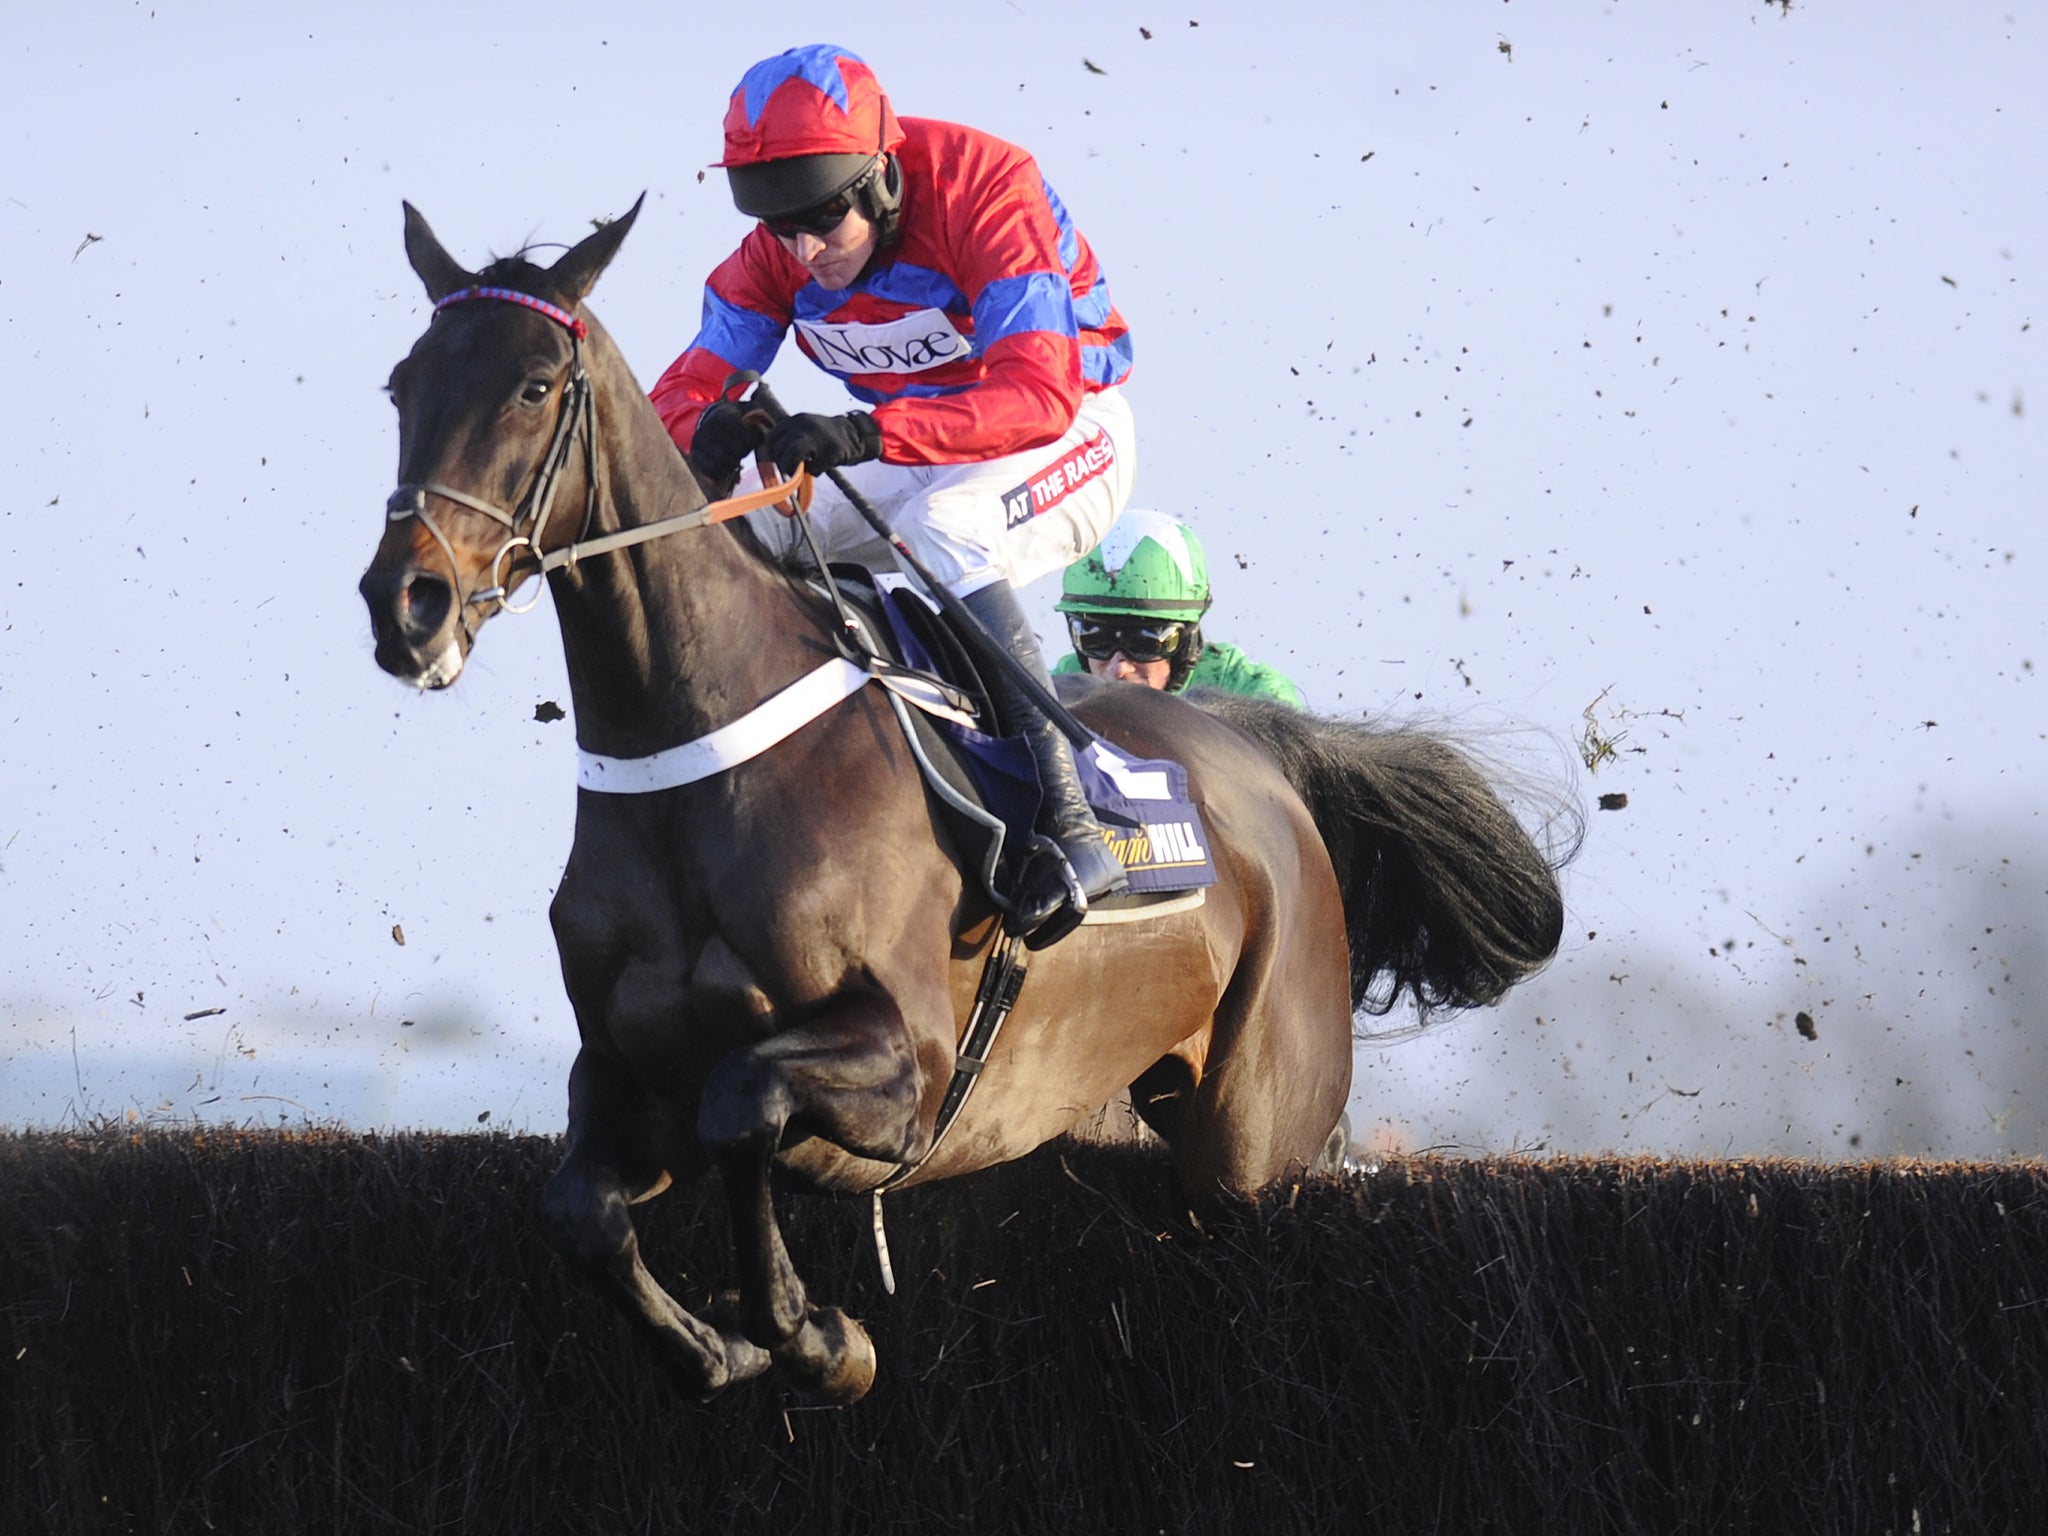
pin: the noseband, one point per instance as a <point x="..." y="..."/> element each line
<point x="576" y="415"/>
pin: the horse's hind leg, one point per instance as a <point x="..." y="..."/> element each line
<point x="1277" y="1071"/>
<point x="849" y="1076"/>
<point x="585" y="1211"/>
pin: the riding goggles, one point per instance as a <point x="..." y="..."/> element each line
<point x="820" y="220"/>
<point x="1141" y="642"/>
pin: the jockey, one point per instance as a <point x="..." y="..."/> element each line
<point x="933" y="269"/>
<point x="1134" y="611"/>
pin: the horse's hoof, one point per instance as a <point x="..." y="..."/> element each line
<point x="1336" y="1148"/>
<point x="852" y="1354"/>
<point x="744" y="1359"/>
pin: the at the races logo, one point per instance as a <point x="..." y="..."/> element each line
<point x="925" y="338"/>
<point x="1084" y="463"/>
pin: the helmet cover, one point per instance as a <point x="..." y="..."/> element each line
<point x="802" y="127"/>
<point x="1147" y="565"/>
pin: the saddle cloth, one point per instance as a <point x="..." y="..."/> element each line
<point x="986" y="777"/>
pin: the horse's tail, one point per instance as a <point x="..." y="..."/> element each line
<point x="1448" y="897"/>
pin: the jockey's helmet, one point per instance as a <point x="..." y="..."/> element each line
<point x="1147" y="577"/>
<point x="806" y="126"/>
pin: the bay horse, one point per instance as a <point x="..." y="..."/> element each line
<point x="770" y="966"/>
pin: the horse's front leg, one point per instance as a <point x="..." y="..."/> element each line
<point x="585" y="1211"/>
<point x="847" y="1074"/>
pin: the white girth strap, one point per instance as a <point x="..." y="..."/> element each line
<point x="779" y="716"/>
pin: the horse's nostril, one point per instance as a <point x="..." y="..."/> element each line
<point x="423" y="604"/>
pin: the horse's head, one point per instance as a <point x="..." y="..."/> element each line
<point x="494" y="418"/>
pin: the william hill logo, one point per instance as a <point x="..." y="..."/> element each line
<point x="1156" y="845"/>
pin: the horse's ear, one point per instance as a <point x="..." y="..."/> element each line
<point x="442" y="273"/>
<point x="581" y="266"/>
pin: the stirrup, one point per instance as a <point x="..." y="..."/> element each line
<point x="1041" y="914"/>
<point x="1095" y="866"/>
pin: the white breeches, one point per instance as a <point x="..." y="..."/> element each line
<point x="1016" y="518"/>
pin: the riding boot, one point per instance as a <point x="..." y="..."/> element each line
<point x="1049" y="900"/>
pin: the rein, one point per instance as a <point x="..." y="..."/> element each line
<point x="576" y="418"/>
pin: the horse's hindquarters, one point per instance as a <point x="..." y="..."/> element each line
<point x="1096" y="1010"/>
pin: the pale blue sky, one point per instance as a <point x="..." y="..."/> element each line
<point x="1668" y="364"/>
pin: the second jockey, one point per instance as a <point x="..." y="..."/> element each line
<point x="932" y="268"/>
<point x="1134" y="611"/>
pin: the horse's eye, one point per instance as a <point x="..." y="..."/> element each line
<point x="536" y="390"/>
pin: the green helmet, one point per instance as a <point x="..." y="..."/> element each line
<point x="1147" y="566"/>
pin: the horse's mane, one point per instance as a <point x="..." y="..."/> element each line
<point x="515" y="271"/>
<point x="793" y="564"/>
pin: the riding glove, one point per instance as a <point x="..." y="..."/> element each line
<point x="824" y="442"/>
<point x="724" y="439"/>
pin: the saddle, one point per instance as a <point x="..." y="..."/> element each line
<point x="982" y="775"/>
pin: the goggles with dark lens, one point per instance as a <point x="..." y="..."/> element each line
<point x="1100" y="639"/>
<point x="819" y="221"/>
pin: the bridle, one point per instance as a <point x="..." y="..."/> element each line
<point x="576" y="417"/>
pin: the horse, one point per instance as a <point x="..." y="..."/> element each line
<point x="769" y="966"/>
